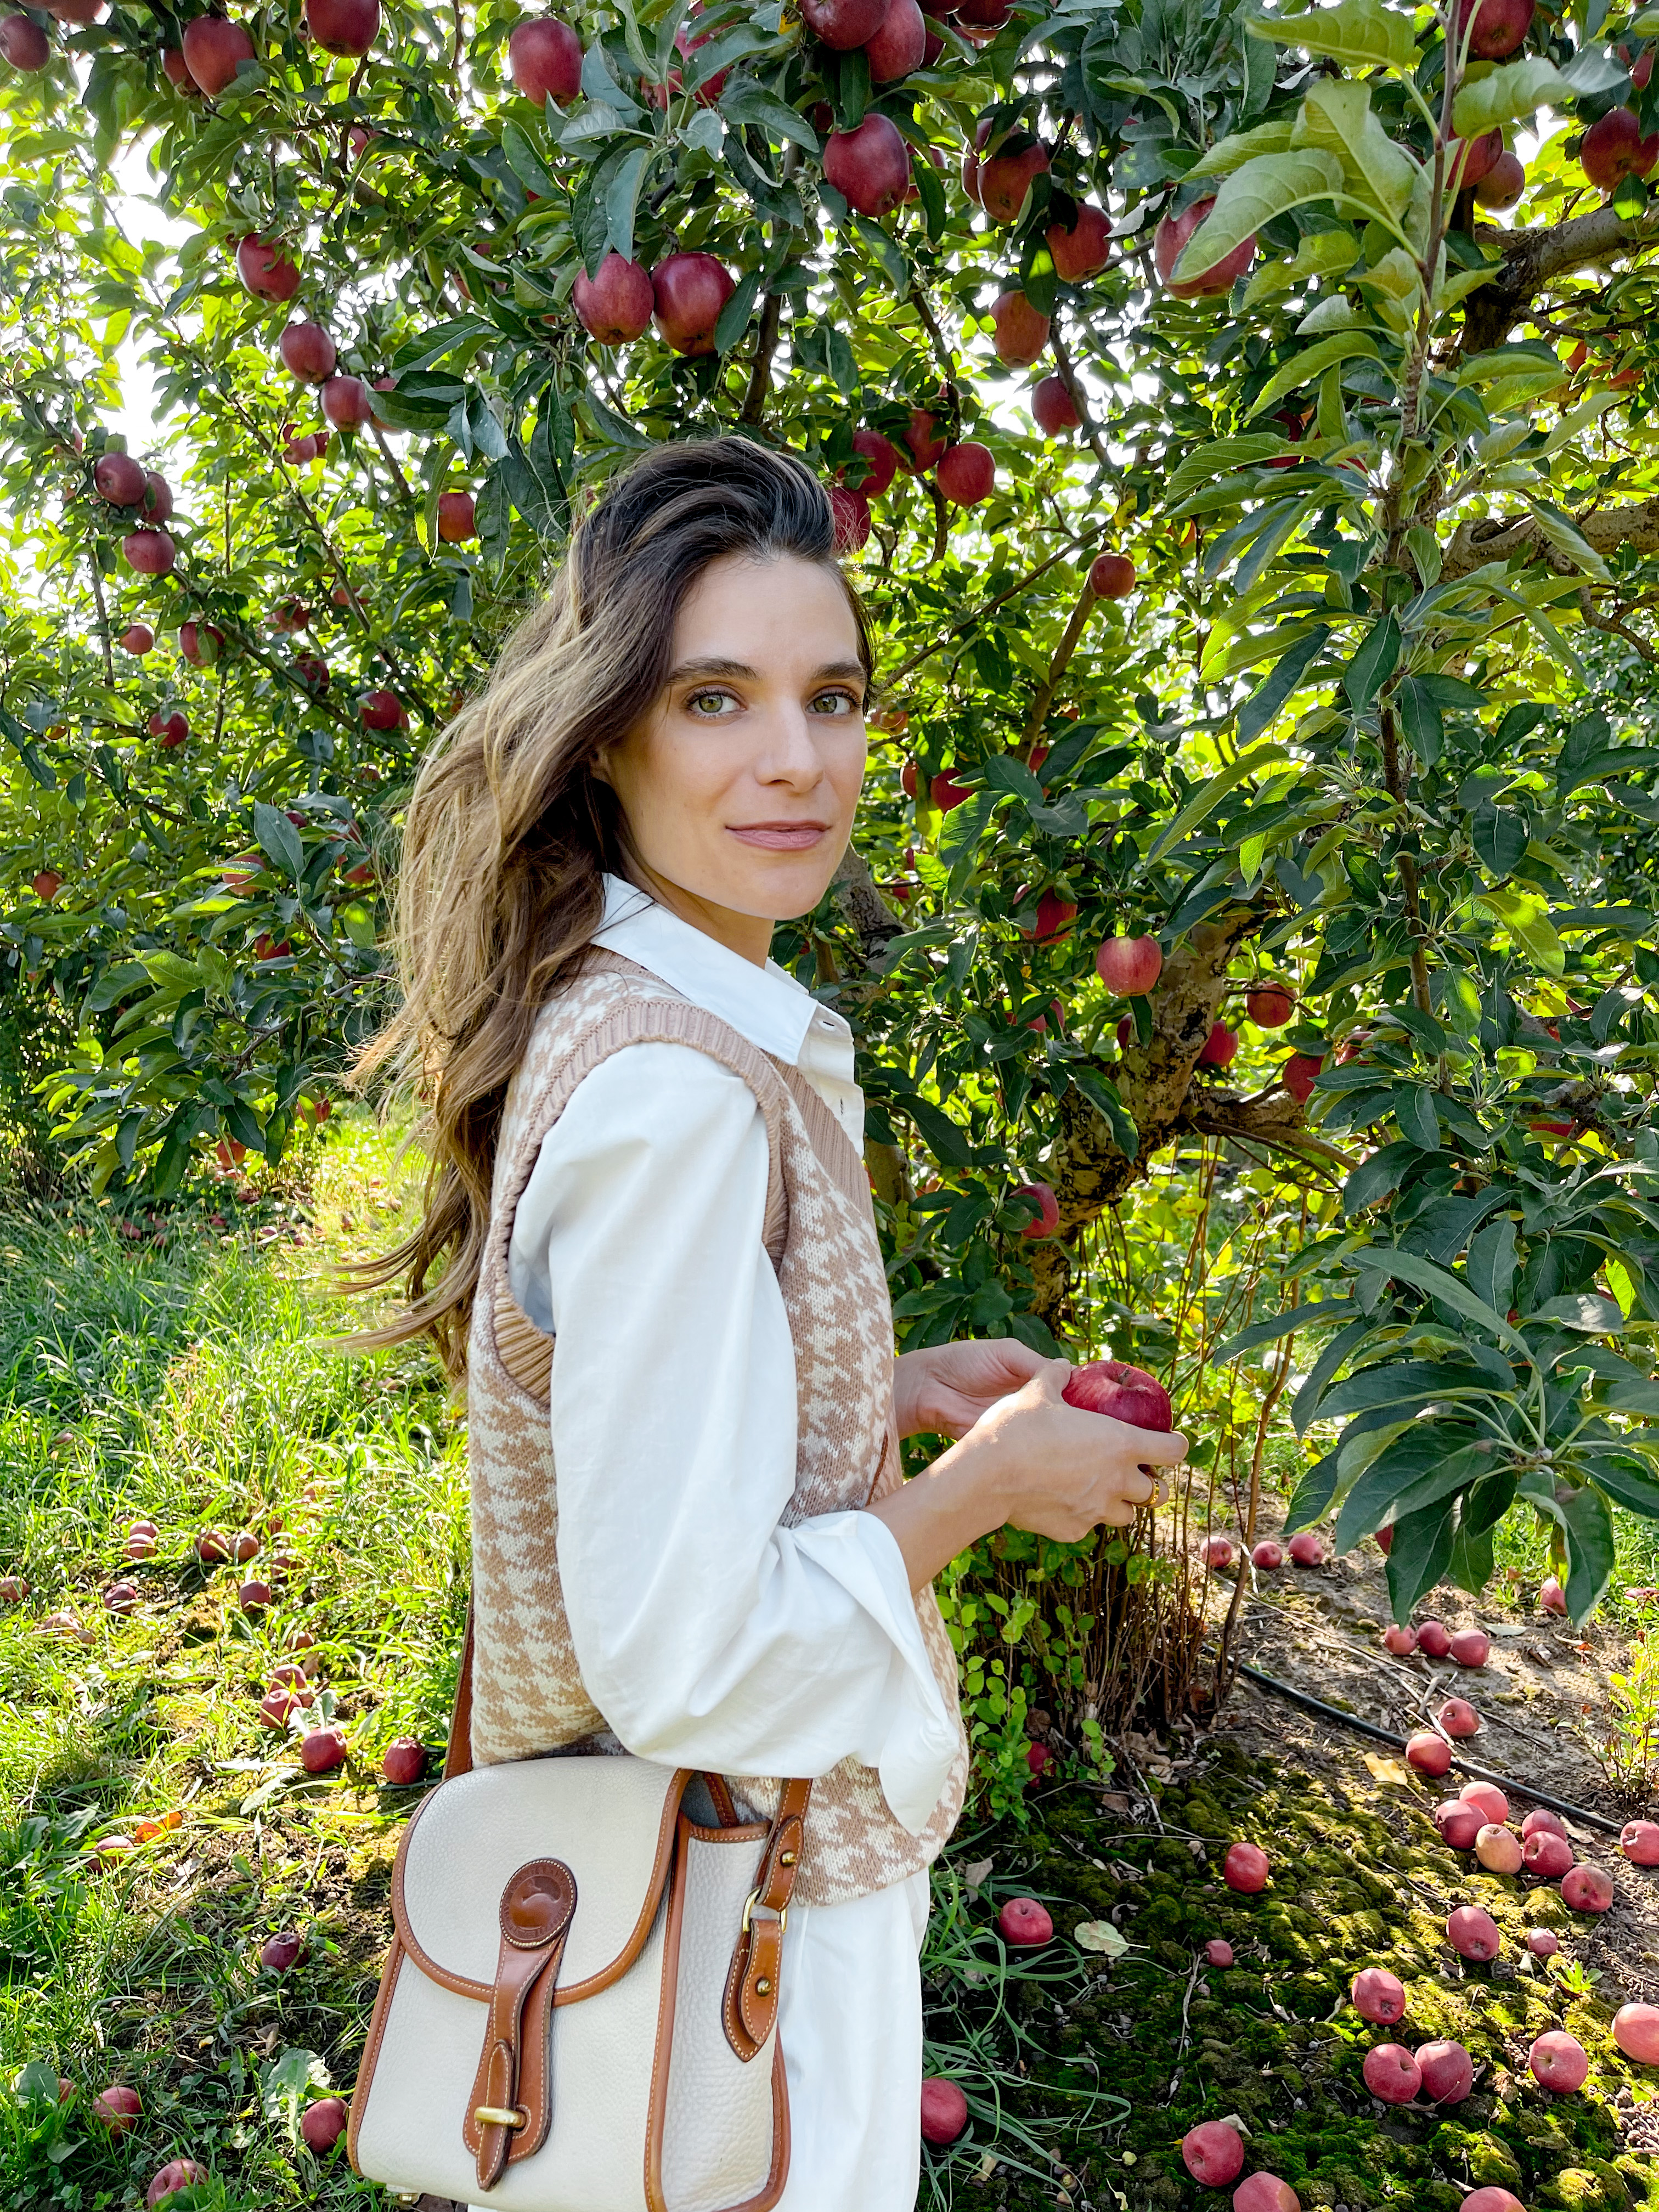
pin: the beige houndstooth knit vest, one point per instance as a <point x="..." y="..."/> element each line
<point x="528" y="1696"/>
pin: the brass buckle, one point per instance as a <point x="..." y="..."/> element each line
<point x="501" y="2116"/>
<point x="752" y="1901"/>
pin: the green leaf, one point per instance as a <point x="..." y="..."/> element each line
<point x="1525" y="915"/>
<point x="1449" y="1289"/>
<point x="1103" y="1095"/>
<point x="734" y="315"/>
<point x="1304" y="367"/>
<point x="1311" y="1500"/>
<point x="278" y="840"/>
<point x="1405" y="1384"/>
<point x="621" y="197"/>
<point x="1359" y="33"/>
<point x="1314" y="1313"/>
<point x="1379" y="1178"/>
<point x="1580" y="1309"/>
<point x="1417" y="1470"/>
<point x="1420" y="1555"/>
<point x="1505" y="95"/>
<point x="746" y="101"/>
<point x="1204" y="462"/>
<point x="1264" y="701"/>
<point x="526" y="162"/>
<point x="1374" y="662"/>
<point x="1585" y="1522"/>
<point x="1336" y="118"/>
<point x="1232" y="152"/>
<point x="1323" y="254"/>
<point x="1209" y="795"/>
<point x="1565" y="536"/>
<point x="1626" y="1481"/>
<point x="1270" y="185"/>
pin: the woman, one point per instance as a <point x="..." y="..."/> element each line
<point x="658" y="1265"/>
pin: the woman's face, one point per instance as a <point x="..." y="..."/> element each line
<point x="740" y="784"/>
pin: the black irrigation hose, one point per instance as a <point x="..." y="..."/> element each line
<point x="1467" y="1766"/>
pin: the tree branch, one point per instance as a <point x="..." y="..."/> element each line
<point x="1604" y="528"/>
<point x="1532" y="258"/>
<point x="1058" y="665"/>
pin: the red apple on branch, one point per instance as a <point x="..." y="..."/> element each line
<point x="1499" y="27"/>
<point x="344" y="26"/>
<point x="214" y="50"/>
<point x="614" y="306"/>
<point x="947" y="793"/>
<point x="307" y="352"/>
<point x="23" y="43"/>
<point x="1169" y="243"/>
<point x="1503" y="183"/>
<point x="380" y="710"/>
<point x="1614" y="148"/>
<point x="46" y="885"/>
<point x="172" y="729"/>
<point x="267" y="269"/>
<point x="1053" y="409"/>
<point x="899" y="45"/>
<point x="966" y="474"/>
<point x="119" y="478"/>
<point x="545" y="58"/>
<point x="1129" y="965"/>
<point x="157" y="502"/>
<point x="870" y="166"/>
<point x="1021" y="331"/>
<point x="150" y="552"/>
<point x="137" y="638"/>
<point x="1046" y="1219"/>
<point x="1219" y="1050"/>
<point x="882" y="458"/>
<point x="1112" y="576"/>
<point x="1270" y="1004"/>
<point x="346" y="402"/>
<point x="1081" y="249"/>
<point x="1006" y="180"/>
<point x="457" y="518"/>
<point x="926" y="449"/>
<point x="689" y="290"/>
<point x="1301" y="1072"/>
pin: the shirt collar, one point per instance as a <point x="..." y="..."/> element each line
<point x="765" y="1005"/>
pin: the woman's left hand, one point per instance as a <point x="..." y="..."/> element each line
<point x="946" y="1388"/>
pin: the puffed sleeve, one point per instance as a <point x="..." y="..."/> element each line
<point x="707" y="1634"/>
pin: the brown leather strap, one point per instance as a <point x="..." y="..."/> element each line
<point x="511" y="2107"/>
<point x="750" y="2007"/>
<point x="457" y="1759"/>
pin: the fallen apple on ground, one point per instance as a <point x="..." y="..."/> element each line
<point x="1306" y="1549"/>
<point x="1402" y="1642"/>
<point x="1429" y="1754"/>
<point x="1473" y="1933"/>
<point x="1490" y="2199"/>
<point x="279" y="1953"/>
<point x="1213" y="2153"/>
<point x="1498" y="1849"/>
<point x="1489" y="1797"/>
<point x="1586" y="1889"/>
<point x="1448" y="2072"/>
<point x="178" y="2173"/>
<point x="1434" y="1638"/>
<point x="1459" y="1823"/>
<point x="1378" y="1996"/>
<point x="1639" y="1841"/>
<point x="1471" y="1647"/>
<point x="1636" y="2030"/>
<point x="323" y="2123"/>
<point x="119" y="2107"/>
<point x="1459" y="1719"/>
<point x="1217" y="1552"/>
<point x="944" y="2110"/>
<point x="1559" y="2062"/>
<point x="1246" y="1868"/>
<point x="322" y="1751"/>
<point x="1218" y="1952"/>
<point x="1543" y="1942"/>
<point x="1547" y="1856"/>
<point x="1023" y="1921"/>
<point x="1265" y="2192"/>
<point x="405" y="1761"/>
<point x="1541" y="1817"/>
<point x="1391" y="2073"/>
<point x="1267" y="1556"/>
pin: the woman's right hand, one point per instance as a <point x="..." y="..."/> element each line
<point x="1032" y="1461"/>
<point x="1059" y="1470"/>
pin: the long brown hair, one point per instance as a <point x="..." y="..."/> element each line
<point x="508" y="831"/>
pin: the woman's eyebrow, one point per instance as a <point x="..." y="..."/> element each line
<point x="715" y="665"/>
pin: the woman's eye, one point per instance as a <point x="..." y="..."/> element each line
<point x="837" y="703"/>
<point x="706" y="706"/>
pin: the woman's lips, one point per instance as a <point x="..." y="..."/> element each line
<point x="780" y="837"/>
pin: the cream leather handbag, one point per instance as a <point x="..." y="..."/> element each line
<point x="578" y="2009"/>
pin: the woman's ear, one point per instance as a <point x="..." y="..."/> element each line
<point x="599" y="766"/>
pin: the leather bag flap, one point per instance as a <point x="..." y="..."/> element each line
<point x="612" y="1821"/>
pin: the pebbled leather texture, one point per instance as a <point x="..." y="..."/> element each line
<point x="603" y="1817"/>
<point x="409" y="2131"/>
<point x="717" y="2127"/>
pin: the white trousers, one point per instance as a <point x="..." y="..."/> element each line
<point x="850" y="2025"/>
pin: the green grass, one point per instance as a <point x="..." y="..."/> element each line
<point x="191" y="1381"/>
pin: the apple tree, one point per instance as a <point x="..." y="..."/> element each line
<point x="1240" y="424"/>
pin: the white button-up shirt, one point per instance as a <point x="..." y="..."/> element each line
<point x="708" y="1634"/>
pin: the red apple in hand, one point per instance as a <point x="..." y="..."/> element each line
<point x="1123" y="1393"/>
<point x="1023" y="1921"/>
<point x="1213" y="2153"/>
